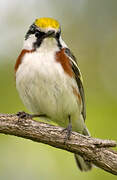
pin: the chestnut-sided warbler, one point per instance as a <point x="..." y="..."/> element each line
<point x="49" y="81"/>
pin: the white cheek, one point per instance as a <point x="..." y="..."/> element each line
<point x="28" y="44"/>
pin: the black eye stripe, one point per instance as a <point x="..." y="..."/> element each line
<point x="39" y="34"/>
<point x="32" y="28"/>
<point x="30" y="31"/>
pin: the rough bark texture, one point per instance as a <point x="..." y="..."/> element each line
<point x="95" y="150"/>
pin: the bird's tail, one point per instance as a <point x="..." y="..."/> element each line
<point x="83" y="164"/>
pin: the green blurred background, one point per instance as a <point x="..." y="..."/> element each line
<point x="89" y="27"/>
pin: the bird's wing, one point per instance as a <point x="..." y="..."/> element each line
<point x="78" y="78"/>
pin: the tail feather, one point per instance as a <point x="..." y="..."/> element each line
<point x="83" y="164"/>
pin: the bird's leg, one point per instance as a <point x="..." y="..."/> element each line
<point x="68" y="129"/>
<point x="25" y="115"/>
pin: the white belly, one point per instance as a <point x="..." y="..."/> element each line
<point x="45" y="89"/>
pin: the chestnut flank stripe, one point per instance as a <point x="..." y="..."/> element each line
<point x="19" y="59"/>
<point x="62" y="58"/>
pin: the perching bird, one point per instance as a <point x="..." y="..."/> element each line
<point x="49" y="81"/>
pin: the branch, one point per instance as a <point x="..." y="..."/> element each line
<point x="95" y="150"/>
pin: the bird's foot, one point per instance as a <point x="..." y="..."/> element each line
<point x="68" y="129"/>
<point x="24" y="115"/>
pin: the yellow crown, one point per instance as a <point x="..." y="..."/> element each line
<point x="46" y="23"/>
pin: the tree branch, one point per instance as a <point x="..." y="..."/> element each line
<point x="95" y="150"/>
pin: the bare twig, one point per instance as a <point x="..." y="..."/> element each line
<point x="95" y="150"/>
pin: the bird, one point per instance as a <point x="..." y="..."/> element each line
<point x="49" y="81"/>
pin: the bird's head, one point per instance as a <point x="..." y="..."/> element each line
<point x="41" y="29"/>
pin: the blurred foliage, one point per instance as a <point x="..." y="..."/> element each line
<point x="89" y="28"/>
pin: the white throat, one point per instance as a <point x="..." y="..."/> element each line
<point x="48" y="44"/>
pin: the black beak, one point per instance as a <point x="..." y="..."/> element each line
<point x="50" y="34"/>
<point x="40" y="39"/>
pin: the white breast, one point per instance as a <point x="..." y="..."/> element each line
<point x="44" y="87"/>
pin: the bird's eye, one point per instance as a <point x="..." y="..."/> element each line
<point x="39" y="34"/>
<point x="32" y="29"/>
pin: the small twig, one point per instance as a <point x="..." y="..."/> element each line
<point x="95" y="150"/>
